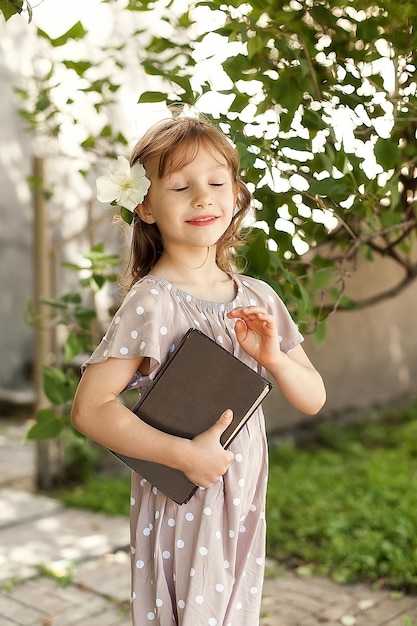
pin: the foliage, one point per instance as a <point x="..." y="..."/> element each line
<point x="103" y="494"/>
<point x="342" y="506"/>
<point x="316" y="91"/>
<point x="60" y="382"/>
<point x="319" y="97"/>
<point x="14" y="7"/>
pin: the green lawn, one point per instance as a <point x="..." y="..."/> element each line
<point x="342" y="504"/>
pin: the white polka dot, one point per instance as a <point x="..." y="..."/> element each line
<point x="166" y="554"/>
<point x="134" y="595"/>
<point x="203" y="551"/>
<point x="140" y="564"/>
<point x="163" y="330"/>
<point x="231" y="534"/>
<point x="159" y="602"/>
<point x="252" y="507"/>
<point x="181" y="604"/>
<point x="117" y="320"/>
<point x="171" y="522"/>
<point x="189" y="517"/>
<point x="222" y="307"/>
<point x="151" y="616"/>
<point x="219" y="339"/>
<point x="253" y="302"/>
<point x="106" y="352"/>
<point x="154" y="491"/>
<point x="154" y="292"/>
<point x="146" y="532"/>
<point x="134" y="334"/>
<point x="279" y="338"/>
<point x="180" y="543"/>
<point x="218" y="534"/>
<point x="259" y="560"/>
<point x="192" y="572"/>
<point x="140" y="310"/>
<point x="188" y="298"/>
<point x="219" y="587"/>
<point x="238" y="458"/>
<point x="239" y="606"/>
<point x="142" y="482"/>
<point x="212" y="621"/>
<point x="236" y="501"/>
<point x="169" y="286"/>
<point x="226" y="564"/>
<point x="242" y="529"/>
<point x="132" y="550"/>
<point x="142" y="345"/>
<point x="254" y="590"/>
<point x="124" y="350"/>
<point x="199" y="599"/>
<point x="242" y="482"/>
<point x="208" y="511"/>
<point x="132" y="501"/>
<point x="157" y="514"/>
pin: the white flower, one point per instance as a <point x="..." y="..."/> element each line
<point x="126" y="186"/>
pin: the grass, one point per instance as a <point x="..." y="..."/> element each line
<point x="342" y="504"/>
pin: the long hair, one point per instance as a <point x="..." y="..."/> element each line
<point x="167" y="147"/>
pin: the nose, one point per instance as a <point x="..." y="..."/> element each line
<point x="202" y="198"/>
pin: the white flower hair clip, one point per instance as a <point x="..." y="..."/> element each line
<point x="125" y="186"/>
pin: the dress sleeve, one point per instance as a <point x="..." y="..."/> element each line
<point x="134" y="331"/>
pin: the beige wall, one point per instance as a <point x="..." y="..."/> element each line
<point x="369" y="357"/>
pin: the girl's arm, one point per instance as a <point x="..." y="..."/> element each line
<point x="293" y="372"/>
<point x="98" y="414"/>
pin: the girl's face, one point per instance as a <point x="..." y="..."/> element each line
<point x="194" y="205"/>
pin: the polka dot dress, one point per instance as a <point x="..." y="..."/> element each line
<point x="201" y="563"/>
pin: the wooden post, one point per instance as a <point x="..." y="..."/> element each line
<point x="42" y="337"/>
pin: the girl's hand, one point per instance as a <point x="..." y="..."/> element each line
<point x="208" y="460"/>
<point x="257" y="333"/>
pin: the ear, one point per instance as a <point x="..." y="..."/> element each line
<point x="145" y="213"/>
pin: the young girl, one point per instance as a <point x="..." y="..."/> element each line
<point x="201" y="563"/>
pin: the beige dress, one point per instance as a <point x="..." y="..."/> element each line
<point x="202" y="563"/>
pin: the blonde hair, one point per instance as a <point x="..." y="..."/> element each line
<point x="166" y="147"/>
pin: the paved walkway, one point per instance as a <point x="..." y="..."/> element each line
<point x="61" y="567"/>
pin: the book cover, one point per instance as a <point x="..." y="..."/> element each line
<point x="191" y="390"/>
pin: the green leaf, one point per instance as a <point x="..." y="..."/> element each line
<point x="320" y="333"/>
<point x="257" y="253"/>
<point x="152" y="96"/>
<point x="96" y="282"/>
<point x="321" y="279"/>
<point x="74" y="345"/>
<point x="80" y="67"/>
<point x="328" y="187"/>
<point x="387" y="153"/>
<point x="127" y="216"/>
<point x="77" y="31"/>
<point x="47" y="426"/>
<point x="56" y="385"/>
<point x="10" y="7"/>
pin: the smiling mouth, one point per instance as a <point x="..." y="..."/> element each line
<point x="202" y="221"/>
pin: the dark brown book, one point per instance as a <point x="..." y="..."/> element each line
<point x="191" y="390"/>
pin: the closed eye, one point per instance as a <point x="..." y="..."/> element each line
<point x="216" y="184"/>
<point x="180" y="188"/>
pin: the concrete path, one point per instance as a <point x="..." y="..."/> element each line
<point x="61" y="566"/>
